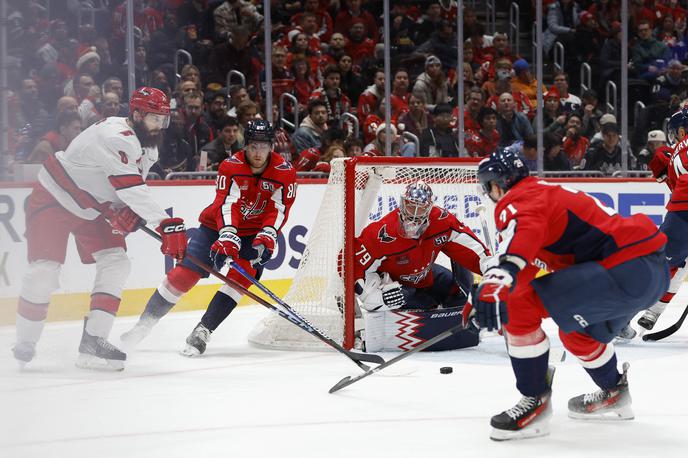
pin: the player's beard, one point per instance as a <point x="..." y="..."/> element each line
<point x="146" y="138"/>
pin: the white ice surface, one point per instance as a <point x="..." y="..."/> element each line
<point x="240" y="401"/>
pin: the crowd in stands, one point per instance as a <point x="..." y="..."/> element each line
<point x="69" y="69"/>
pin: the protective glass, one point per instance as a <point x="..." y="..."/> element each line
<point x="155" y="121"/>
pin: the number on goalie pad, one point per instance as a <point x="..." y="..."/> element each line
<point x="402" y="330"/>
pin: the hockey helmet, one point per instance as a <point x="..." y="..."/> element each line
<point x="505" y="167"/>
<point x="153" y="102"/>
<point x="659" y="164"/>
<point x="414" y="210"/>
<point x="259" y="130"/>
<point x="678" y="120"/>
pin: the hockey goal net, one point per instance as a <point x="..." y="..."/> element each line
<point x="361" y="190"/>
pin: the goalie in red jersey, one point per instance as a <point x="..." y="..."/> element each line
<point x="604" y="268"/>
<point x="399" y="282"/>
<point x="255" y="189"/>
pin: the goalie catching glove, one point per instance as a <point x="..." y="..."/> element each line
<point x="226" y="246"/>
<point x="173" y="233"/>
<point x="491" y="299"/>
<point x="380" y="293"/>
<point x="264" y="243"/>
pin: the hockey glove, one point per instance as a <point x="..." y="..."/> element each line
<point x="264" y="244"/>
<point x="492" y="295"/>
<point x="173" y="234"/>
<point x="226" y="246"/>
<point x="380" y="294"/>
<point x="123" y="220"/>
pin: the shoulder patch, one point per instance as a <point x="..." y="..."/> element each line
<point x="384" y="236"/>
<point x="127" y="133"/>
<point x="234" y="160"/>
<point x="283" y="166"/>
<point x="443" y="214"/>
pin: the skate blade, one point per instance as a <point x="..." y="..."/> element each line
<point x="529" y="432"/>
<point x="94" y="363"/>
<point x="190" y="352"/>
<point x="620" y="414"/>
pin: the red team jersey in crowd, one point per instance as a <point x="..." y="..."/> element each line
<point x="381" y="247"/>
<point x="554" y="227"/>
<point x="251" y="202"/>
<point x="677" y="177"/>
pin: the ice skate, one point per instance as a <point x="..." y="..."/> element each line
<point x="98" y="354"/>
<point x="24" y="352"/>
<point x="613" y="404"/>
<point x="196" y="342"/>
<point x="528" y="418"/>
<point x="135" y="335"/>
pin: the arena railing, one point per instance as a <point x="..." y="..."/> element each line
<point x="187" y="57"/>
<point x="570" y="174"/>
<point x="632" y="174"/>
<point x="210" y="174"/>
<point x="353" y="119"/>
<point x="228" y="83"/>
<point x="559" y="56"/>
<point x="585" y="77"/>
<point x="413" y="139"/>
<point x="514" y="27"/>
<point x="295" y="103"/>
<point x="610" y="96"/>
<point x="490" y="16"/>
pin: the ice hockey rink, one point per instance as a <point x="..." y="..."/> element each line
<point x="241" y="401"/>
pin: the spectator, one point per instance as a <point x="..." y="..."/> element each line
<point x="649" y="55"/>
<point x="417" y="119"/>
<point x="591" y="114"/>
<point x="225" y="144"/>
<point x="569" y="102"/>
<point x="428" y="23"/>
<point x="512" y="125"/>
<point x="442" y="43"/>
<point x="611" y="56"/>
<point x="282" y="79"/>
<point x="31" y="109"/>
<point x="232" y="53"/>
<point x="562" y="20"/>
<point x="525" y="82"/>
<point x="237" y="95"/>
<point x="246" y="111"/>
<point x="500" y="70"/>
<point x="304" y="82"/>
<point x="439" y="141"/>
<point x="87" y="93"/>
<point x="471" y="114"/>
<point x="605" y="13"/>
<point x="114" y="84"/>
<point x="330" y="94"/>
<point x="485" y="140"/>
<point x="655" y="139"/>
<point x="528" y="152"/>
<point x="604" y="119"/>
<point x="176" y="153"/>
<point x="371" y="97"/>
<point x="353" y="147"/>
<point x="400" y="94"/>
<point x="605" y="155"/>
<point x="432" y="84"/>
<point x="354" y="12"/>
<point x="68" y="126"/>
<point x="588" y="42"/>
<point x="669" y="90"/>
<point x="351" y="82"/>
<point x="521" y="101"/>
<point x="377" y="146"/>
<point x="574" y="144"/>
<point x="324" y="22"/>
<point x="359" y="47"/>
<point x="232" y="13"/>
<point x="299" y="49"/>
<point x="164" y="41"/>
<point x="335" y="50"/>
<point x="87" y="64"/>
<point x="110" y="105"/>
<point x="198" y="132"/>
<point x="216" y="112"/>
<point x="312" y="127"/>
<point x="552" y="113"/>
<point x="554" y="157"/>
<point x="638" y="12"/>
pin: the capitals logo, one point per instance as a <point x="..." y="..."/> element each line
<point x="253" y="209"/>
<point x="384" y="236"/>
<point x="416" y="277"/>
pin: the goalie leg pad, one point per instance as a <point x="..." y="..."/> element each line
<point x="402" y="330"/>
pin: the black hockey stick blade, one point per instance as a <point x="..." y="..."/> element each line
<point x="346" y="381"/>
<point x="659" y="335"/>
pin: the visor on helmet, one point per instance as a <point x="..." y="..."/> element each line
<point x="155" y="121"/>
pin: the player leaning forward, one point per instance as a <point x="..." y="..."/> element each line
<point x="95" y="191"/>
<point x="255" y="189"/>
<point x="604" y="269"/>
<point x="396" y="268"/>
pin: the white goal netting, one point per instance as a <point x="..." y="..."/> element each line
<point x="317" y="291"/>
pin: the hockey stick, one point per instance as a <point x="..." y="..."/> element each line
<point x="348" y="380"/>
<point x="325" y="338"/>
<point x="355" y="357"/>
<point x="483" y="223"/>
<point x="659" y="335"/>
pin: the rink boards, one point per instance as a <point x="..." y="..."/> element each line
<point x="187" y="199"/>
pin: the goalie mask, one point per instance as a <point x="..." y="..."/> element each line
<point x="414" y="211"/>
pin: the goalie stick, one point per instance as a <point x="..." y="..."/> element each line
<point x="483" y="223"/>
<point x="353" y="356"/>
<point x="659" y="335"/>
<point x="324" y="337"/>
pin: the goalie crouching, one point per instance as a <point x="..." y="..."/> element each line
<point x="409" y="298"/>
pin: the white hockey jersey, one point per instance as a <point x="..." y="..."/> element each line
<point x="104" y="165"/>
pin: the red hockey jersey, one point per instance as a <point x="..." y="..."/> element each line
<point x="251" y="202"/>
<point x="382" y="248"/>
<point x="677" y="177"/>
<point x="553" y="227"/>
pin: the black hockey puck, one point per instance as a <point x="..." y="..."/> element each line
<point x="446" y="370"/>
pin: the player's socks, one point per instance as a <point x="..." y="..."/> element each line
<point x="156" y="308"/>
<point x="528" y="418"/>
<point x="612" y="403"/>
<point x="95" y="352"/>
<point x="30" y="322"/>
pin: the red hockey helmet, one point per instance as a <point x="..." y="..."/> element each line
<point x="153" y="104"/>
